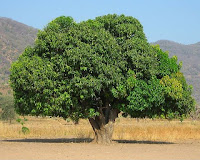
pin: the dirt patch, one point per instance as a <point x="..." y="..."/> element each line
<point x="43" y="149"/>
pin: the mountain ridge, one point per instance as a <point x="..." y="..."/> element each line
<point x="14" y="37"/>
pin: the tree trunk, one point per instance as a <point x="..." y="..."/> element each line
<point x="103" y="125"/>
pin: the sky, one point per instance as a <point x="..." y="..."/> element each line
<point x="175" y="20"/>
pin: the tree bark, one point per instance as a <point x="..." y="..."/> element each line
<point x="103" y="125"/>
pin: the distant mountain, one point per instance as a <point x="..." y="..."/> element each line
<point x="14" y="37"/>
<point x="190" y="56"/>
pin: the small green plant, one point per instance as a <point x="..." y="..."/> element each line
<point x="24" y="129"/>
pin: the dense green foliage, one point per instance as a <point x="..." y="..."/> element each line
<point x="190" y="57"/>
<point x="74" y="69"/>
<point x="16" y="36"/>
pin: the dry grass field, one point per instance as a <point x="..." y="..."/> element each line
<point x="125" y="129"/>
<point x="55" y="138"/>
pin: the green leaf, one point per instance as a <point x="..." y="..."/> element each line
<point x="25" y="130"/>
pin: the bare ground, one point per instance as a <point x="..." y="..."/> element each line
<point x="55" y="149"/>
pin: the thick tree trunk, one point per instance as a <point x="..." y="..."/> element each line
<point x="103" y="125"/>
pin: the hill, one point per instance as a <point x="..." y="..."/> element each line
<point x="190" y="56"/>
<point x="14" y="37"/>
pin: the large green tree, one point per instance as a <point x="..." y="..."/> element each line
<point x="96" y="69"/>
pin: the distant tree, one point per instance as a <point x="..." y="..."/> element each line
<point x="7" y="108"/>
<point x="9" y="91"/>
<point x="96" y="69"/>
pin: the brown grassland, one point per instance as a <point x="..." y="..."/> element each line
<point x="125" y="129"/>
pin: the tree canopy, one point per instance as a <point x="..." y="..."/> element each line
<point x="92" y="68"/>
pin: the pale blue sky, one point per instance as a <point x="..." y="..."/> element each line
<point x="176" y="20"/>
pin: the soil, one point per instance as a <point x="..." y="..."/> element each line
<point x="55" y="149"/>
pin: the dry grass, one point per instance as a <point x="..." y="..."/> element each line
<point x="46" y="128"/>
<point x="125" y="129"/>
<point x="157" y="130"/>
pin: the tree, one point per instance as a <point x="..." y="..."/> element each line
<point x="7" y="107"/>
<point x="96" y="69"/>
